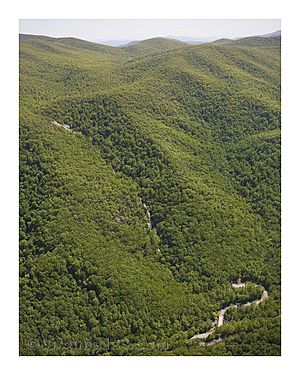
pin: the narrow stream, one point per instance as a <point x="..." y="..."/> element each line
<point x="149" y="222"/>
<point x="220" y="321"/>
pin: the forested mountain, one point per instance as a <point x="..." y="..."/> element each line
<point x="275" y="33"/>
<point x="252" y="41"/>
<point x="150" y="46"/>
<point x="161" y="190"/>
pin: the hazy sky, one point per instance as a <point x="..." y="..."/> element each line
<point x="96" y="30"/>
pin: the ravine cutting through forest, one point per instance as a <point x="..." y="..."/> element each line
<point x="220" y="321"/>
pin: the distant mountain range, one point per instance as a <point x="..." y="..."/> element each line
<point x="177" y="39"/>
<point x="152" y="45"/>
<point x="180" y="38"/>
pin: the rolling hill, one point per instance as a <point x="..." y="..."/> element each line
<point x="165" y="191"/>
<point x="273" y="34"/>
<point x="153" y="45"/>
<point x="252" y="41"/>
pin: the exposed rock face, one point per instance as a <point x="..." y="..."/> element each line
<point x="65" y="126"/>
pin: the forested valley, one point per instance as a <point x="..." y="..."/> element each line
<point x="149" y="197"/>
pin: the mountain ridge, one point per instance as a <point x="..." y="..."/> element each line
<point x="124" y="43"/>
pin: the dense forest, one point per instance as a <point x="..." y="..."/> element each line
<point x="149" y="184"/>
